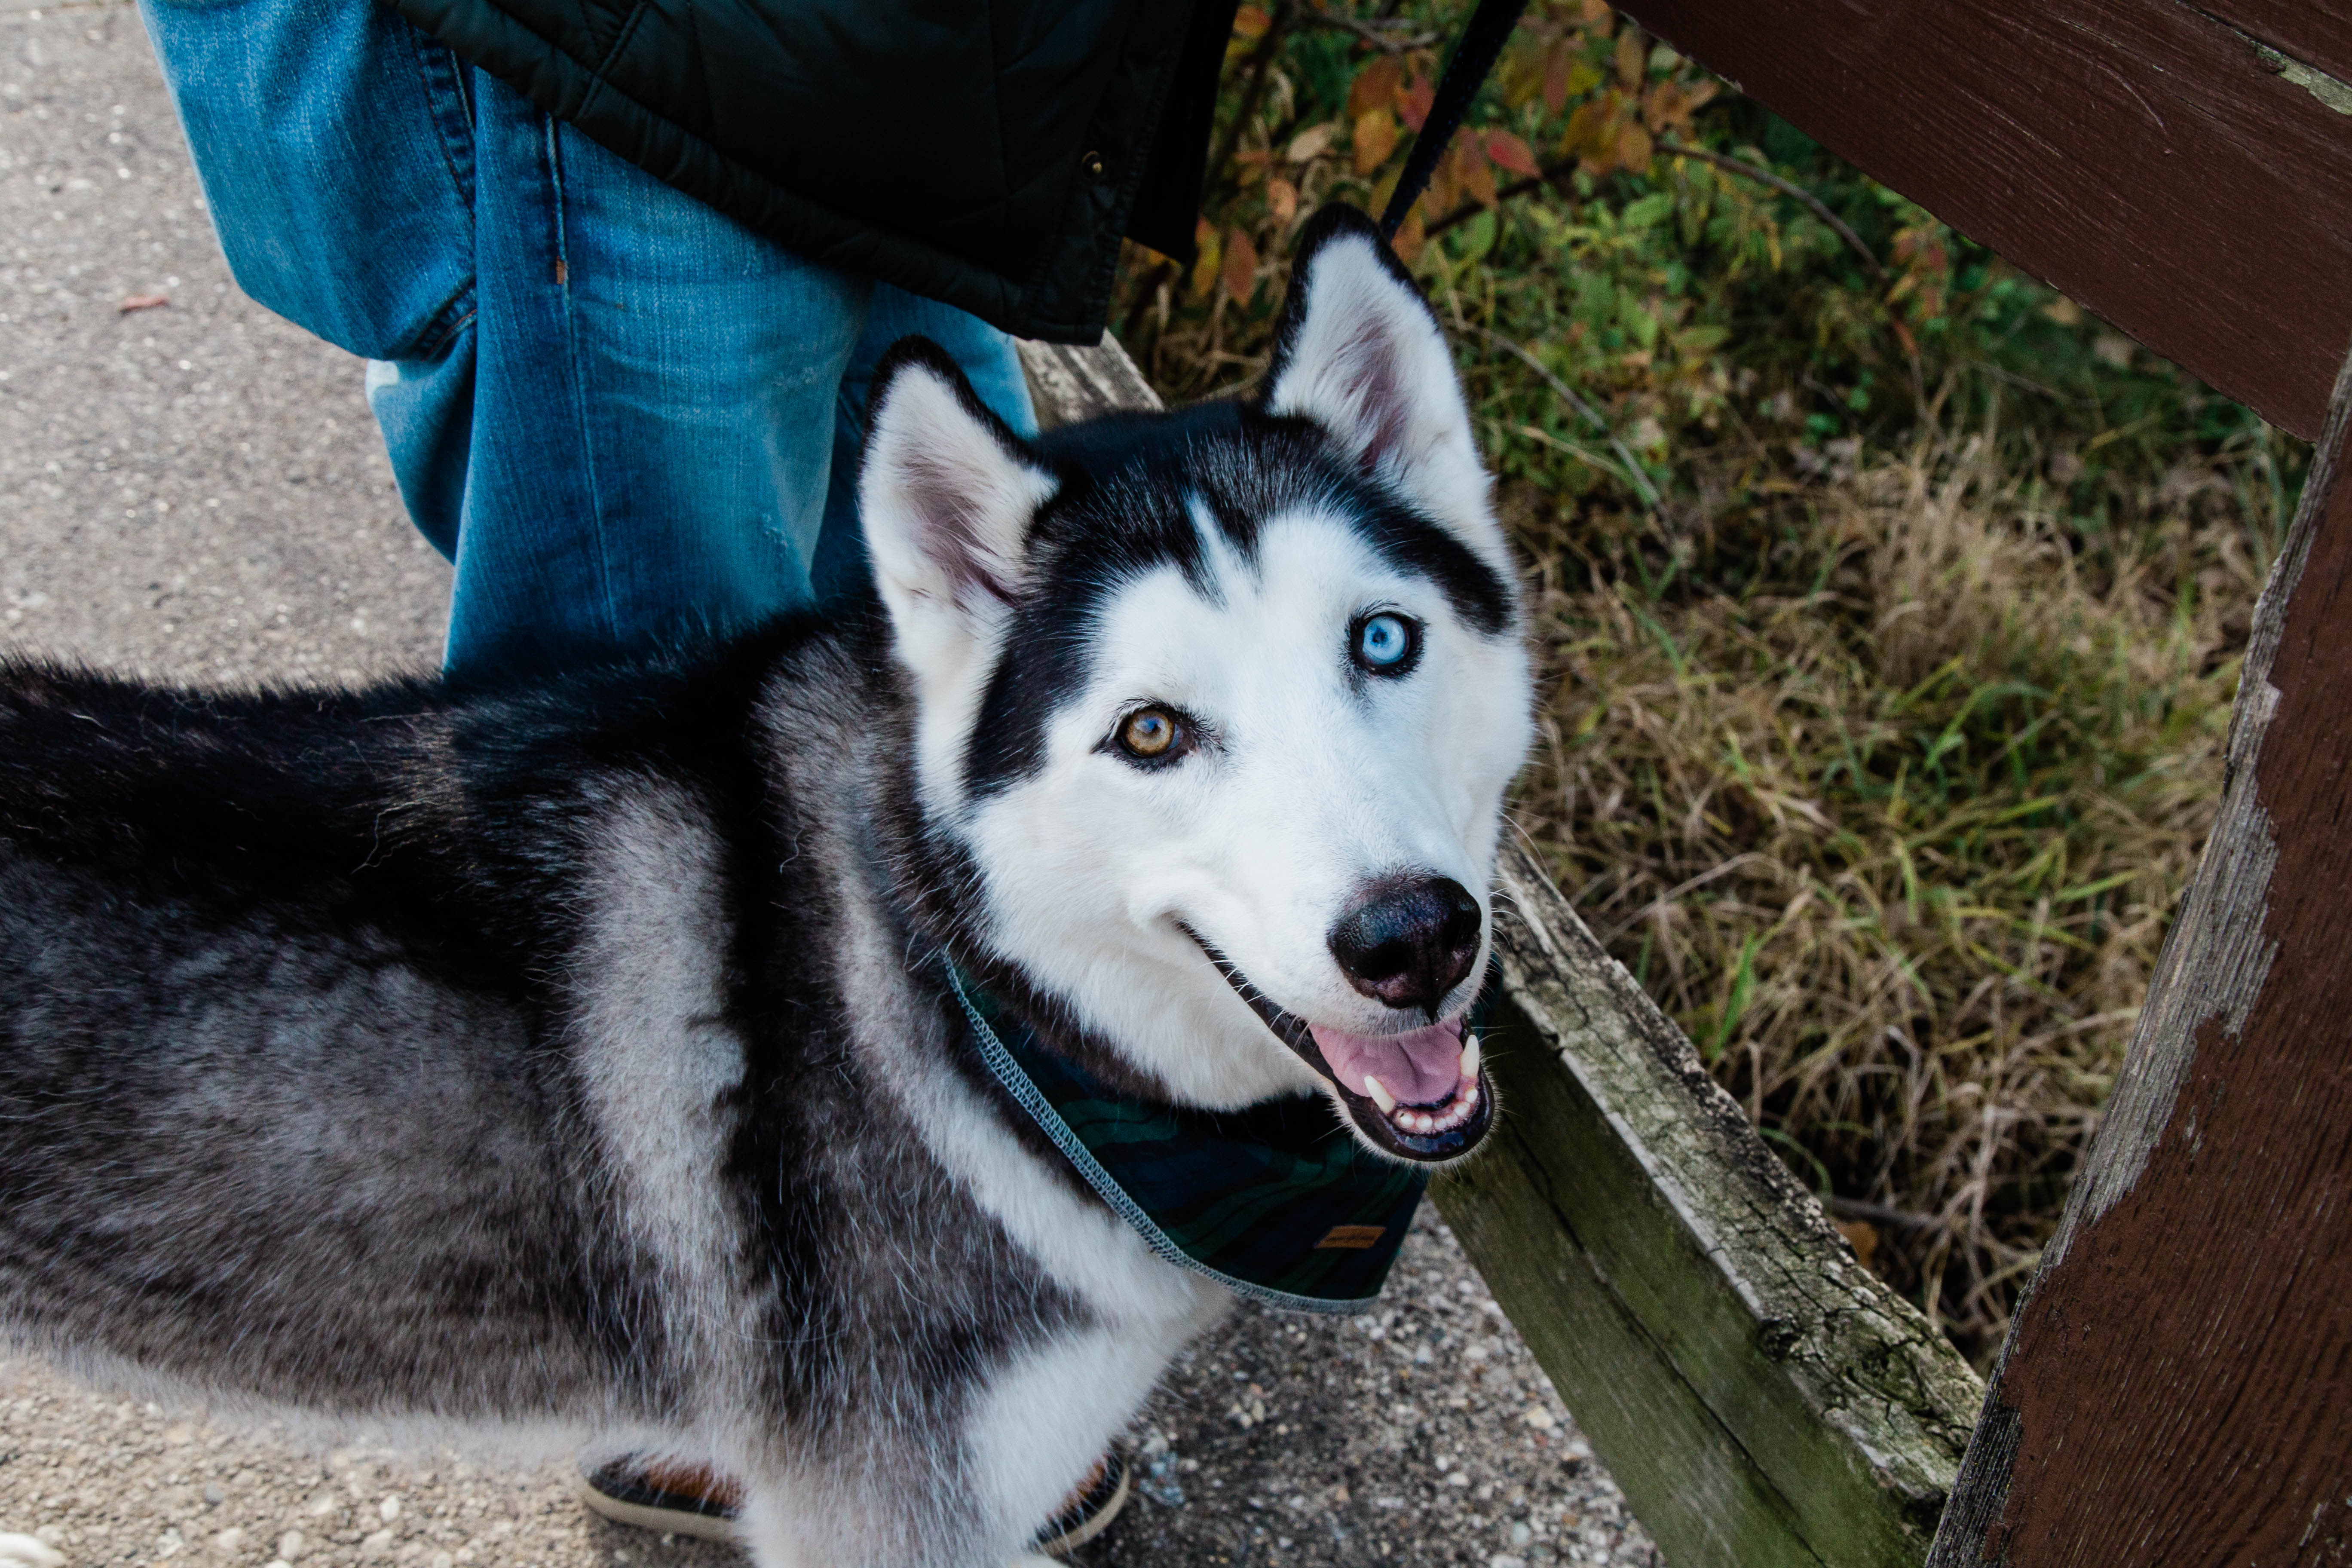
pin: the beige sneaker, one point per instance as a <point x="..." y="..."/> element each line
<point x="694" y="1500"/>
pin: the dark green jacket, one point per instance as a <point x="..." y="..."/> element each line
<point x="989" y="154"/>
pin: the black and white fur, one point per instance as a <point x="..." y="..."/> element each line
<point x="577" y="1057"/>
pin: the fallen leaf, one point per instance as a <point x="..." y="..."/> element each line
<point x="1412" y="103"/>
<point x="1583" y="138"/>
<point x="1511" y="154"/>
<point x="1556" y="69"/>
<point x="1311" y="142"/>
<point x="1211" y="255"/>
<point x="1632" y="62"/>
<point x="1241" y="267"/>
<point x="1281" y="201"/>
<point x="1634" y="148"/>
<point x="142" y="302"/>
<point x="1477" y="175"/>
<point x="1376" y="138"/>
<point x="1375" y="87"/>
<point x="1860" y="1235"/>
<point x="1410" y="236"/>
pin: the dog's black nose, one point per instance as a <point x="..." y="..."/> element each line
<point x="1412" y="940"/>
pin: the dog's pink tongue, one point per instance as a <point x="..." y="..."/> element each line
<point x="1419" y="1068"/>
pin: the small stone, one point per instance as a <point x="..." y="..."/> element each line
<point x="1521" y="1534"/>
<point x="1540" y="1418"/>
<point x="179" y="1434"/>
<point x="291" y="1546"/>
<point x="1505" y="1560"/>
<point x="389" y="1508"/>
<point x="277" y="1562"/>
<point x="214" y="1496"/>
<point x="229" y="1542"/>
<point x="1458" y="1478"/>
<point x="376" y="1546"/>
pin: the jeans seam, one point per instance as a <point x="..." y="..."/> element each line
<point x="579" y="379"/>
<point x="453" y="316"/>
<point x="451" y="121"/>
<point x="439" y="75"/>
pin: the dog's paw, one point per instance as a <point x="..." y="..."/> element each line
<point x="29" y="1552"/>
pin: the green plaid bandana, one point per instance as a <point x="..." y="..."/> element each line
<point x="1278" y="1201"/>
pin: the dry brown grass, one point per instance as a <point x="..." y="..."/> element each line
<point x="1894" y="832"/>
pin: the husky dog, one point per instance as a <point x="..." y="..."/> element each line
<point x="582" y="1055"/>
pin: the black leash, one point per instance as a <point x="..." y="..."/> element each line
<point x="1481" y="43"/>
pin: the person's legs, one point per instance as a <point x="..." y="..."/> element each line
<point x="647" y="431"/>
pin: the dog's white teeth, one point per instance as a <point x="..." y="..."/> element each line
<point x="1470" y="1058"/>
<point x="1381" y="1096"/>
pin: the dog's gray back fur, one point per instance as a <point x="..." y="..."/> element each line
<point x="409" y="1053"/>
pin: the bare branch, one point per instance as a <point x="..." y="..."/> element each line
<point x="1764" y="176"/>
<point x="1553" y="173"/>
<point x="1396" y="37"/>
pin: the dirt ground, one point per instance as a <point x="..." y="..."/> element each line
<point x="194" y="490"/>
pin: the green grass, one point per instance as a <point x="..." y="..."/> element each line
<point x="1890" y="606"/>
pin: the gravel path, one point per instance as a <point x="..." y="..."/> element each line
<point x="194" y="490"/>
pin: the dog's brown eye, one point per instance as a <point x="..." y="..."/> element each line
<point x="1150" y="732"/>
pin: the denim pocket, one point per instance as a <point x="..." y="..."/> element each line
<point x="335" y="147"/>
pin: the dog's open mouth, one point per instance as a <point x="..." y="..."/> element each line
<point x="1420" y="1096"/>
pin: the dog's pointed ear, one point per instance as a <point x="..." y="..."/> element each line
<point x="946" y="493"/>
<point x="1358" y="350"/>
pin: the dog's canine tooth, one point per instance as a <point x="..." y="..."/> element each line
<point x="1381" y="1096"/>
<point x="1470" y="1058"/>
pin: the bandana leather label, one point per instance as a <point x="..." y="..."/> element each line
<point x="1278" y="1201"/>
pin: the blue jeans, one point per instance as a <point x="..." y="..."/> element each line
<point x="625" y="418"/>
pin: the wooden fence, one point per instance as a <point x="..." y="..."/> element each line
<point x="2176" y="1387"/>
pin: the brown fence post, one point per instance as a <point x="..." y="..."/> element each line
<point x="2176" y="1387"/>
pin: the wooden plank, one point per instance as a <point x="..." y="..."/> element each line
<point x="1759" y="1394"/>
<point x="1762" y="1398"/>
<point x="2176" y="1387"/>
<point x="2146" y="158"/>
<point x="2316" y="32"/>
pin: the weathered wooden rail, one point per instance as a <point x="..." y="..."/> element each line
<point x="1762" y="1398"/>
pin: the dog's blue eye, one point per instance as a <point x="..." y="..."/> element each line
<point x="1383" y="642"/>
